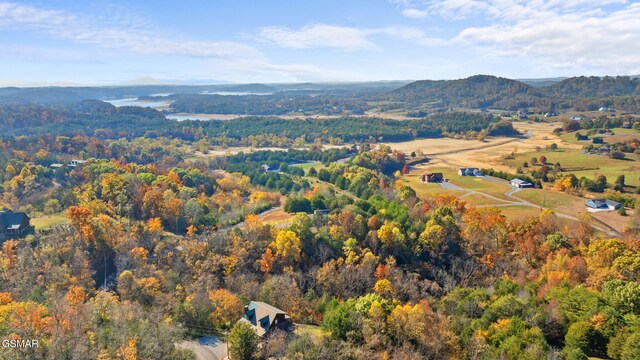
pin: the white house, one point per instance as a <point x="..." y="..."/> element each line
<point x="519" y="183"/>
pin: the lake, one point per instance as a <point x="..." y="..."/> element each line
<point x="204" y="117"/>
<point x="137" y="102"/>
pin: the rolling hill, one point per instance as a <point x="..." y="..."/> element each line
<point x="479" y="91"/>
<point x="486" y="91"/>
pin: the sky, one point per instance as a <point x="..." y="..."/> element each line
<point x="276" y="41"/>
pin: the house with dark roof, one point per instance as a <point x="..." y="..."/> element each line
<point x="431" y="177"/>
<point x="13" y="224"/>
<point x="264" y="318"/>
<point x="603" y="204"/>
<point x="469" y="172"/>
<point x="519" y="183"/>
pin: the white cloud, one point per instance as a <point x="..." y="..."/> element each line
<point x="340" y="37"/>
<point x="317" y="35"/>
<point x="415" y="13"/>
<point x="125" y="33"/>
<point x="586" y="35"/>
<point x="119" y="31"/>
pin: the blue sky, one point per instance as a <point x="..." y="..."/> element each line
<point x="331" y="40"/>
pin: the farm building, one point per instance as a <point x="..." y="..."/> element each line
<point x="519" y="183"/>
<point x="432" y="177"/>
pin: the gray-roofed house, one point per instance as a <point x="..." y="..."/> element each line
<point x="265" y="318"/>
<point x="469" y="172"/>
<point x="519" y="183"/>
<point x="13" y="224"/>
<point x="603" y="204"/>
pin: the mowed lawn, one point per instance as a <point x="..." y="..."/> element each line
<point x="468" y="183"/>
<point x="424" y="190"/>
<point x="590" y="166"/>
<point x="554" y="200"/>
<point x="46" y="222"/>
<point x="476" y="183"/>
<point x="519" y="212"/>
<point x="481" y="200"/>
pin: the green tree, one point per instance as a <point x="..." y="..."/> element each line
<point x="52" y="206"/>
<point x="243" y="342"/>
<point x="582" y="335"/>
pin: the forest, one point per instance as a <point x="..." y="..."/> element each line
<point x="96" y="118"/>
<point x="144" y="246"/>
<point x="155" y="249"/>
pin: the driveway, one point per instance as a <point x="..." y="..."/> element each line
<point x="207" y="348"/>
<point x="519" y="201"/>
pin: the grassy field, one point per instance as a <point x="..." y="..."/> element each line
<point x="519" y="212"/>
<point x="468" y="183"/>
<point x="590" y="166"/>
<point x="620" y="136"/>
<point x="46" y="222"/>
<point x="307" y="166"/>
<point x="427" y="189"/>
<point x="277" y="217"/>
<point x="477" y="184"/>
<point x="553" y="199"/>
<point x="315" y="332"/>
<point x="480" y="200"/>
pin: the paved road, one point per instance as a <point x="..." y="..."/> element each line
<point x="206" y="348"/>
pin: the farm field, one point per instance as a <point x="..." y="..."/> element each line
<point x="276" y="217"/>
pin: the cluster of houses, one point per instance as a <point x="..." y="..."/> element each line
<point x="13" y="224"/>
<point x="436" y="177"/>
<point x="73" y="163"/>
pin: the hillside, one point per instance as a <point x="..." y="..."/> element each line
<point x="595" y="87"/>
<point x="479" y="91"/>
<point x="484" y="91"/>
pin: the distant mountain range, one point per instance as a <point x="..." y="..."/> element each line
<point x="479" y="91"/>
<point x="484" y="91"/>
